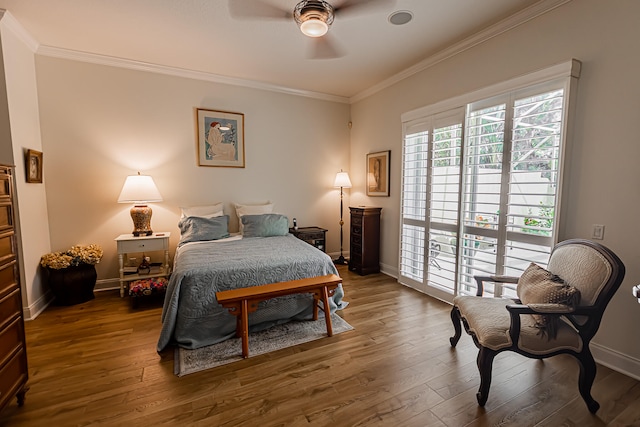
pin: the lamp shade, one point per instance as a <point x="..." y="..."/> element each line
<point x="139" y="189"/>
<point x="342" y="180"/>
<point x="314" y="28"/>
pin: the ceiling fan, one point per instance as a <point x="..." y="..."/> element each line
<point x="314" y="17"/>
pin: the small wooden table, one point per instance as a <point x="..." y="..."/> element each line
<point x="243" y="301"/>
<point x="128" y="243"/>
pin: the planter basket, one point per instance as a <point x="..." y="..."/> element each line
<point x="72" y="285"/>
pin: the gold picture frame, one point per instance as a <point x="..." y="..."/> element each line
<point x="378" y="173"/>
<point x="220" y="138"/>
<point x="33" y="166"/>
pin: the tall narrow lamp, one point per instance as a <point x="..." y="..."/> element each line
<point x="342" y="181"/>
<point x="140" y="190"/>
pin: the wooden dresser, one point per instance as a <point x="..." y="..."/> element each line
<point x="13" y="352"/>
<point x="364" y="249"/>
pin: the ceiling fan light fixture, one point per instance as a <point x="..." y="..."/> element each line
<point x="314" y="28"/>
<point x="313" y="17"/>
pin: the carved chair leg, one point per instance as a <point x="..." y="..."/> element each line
<point x="586" y="378"/>
<point x="455" y="318"/>
<point x="485" y="365"/>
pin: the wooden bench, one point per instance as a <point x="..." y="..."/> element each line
<point x="243" y="301"/>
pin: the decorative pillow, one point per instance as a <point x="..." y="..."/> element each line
<point x="197" y="229"/>
<point x="242" y="210"/>
<point x="539" y="286"/>
<point x="265" y="225"/>
<point x="209" y="211"/>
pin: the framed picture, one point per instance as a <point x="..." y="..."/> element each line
<point x="220" y="138"/>
<point x="33" y="166"/>
<point x="378" y="173"/>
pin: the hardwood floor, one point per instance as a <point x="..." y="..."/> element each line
<point x="96" y="364"/>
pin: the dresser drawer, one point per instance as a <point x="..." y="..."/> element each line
<point x="7" y="278"/>
<point x="356" y="230"/>
<point x="6" y="216"/>
<point x="356" y="239"/>
<point x="6" y="247"/>
<point x="5" y="184"/>
<point x="356" y="220"/>
<point x="10" y="307"/>
<point x="13" y="375"/>
<point x="142" y="245"/>
<point x="312" y="236"/>
<point x="11" y="339"/>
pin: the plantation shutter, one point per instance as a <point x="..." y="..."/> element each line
<point x="445" y="150"/>
<point x="414" y="205"/>
<point x="481" y="184"/>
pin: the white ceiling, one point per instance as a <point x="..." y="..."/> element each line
<point x="205" y="36"/>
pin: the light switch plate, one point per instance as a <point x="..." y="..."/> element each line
<point x="598" y="232"/>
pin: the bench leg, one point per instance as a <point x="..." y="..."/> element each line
<point x="327" y="311"/>
<point x="245" y="328"/>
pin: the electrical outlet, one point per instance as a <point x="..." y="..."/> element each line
<point x="598" y="232"/>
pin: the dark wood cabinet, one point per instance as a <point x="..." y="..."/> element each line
<point x="315" y="236"/>
<point x="13" y="352"/>
<point x="364" y="249"/>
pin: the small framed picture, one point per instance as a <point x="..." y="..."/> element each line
<point x="33" y="166"/>
<point x="378" y="173"/>
<point x="220" y="137"/>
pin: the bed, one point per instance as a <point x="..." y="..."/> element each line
<point x="191" y="316"/>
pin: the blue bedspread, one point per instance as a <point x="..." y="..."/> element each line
<point x="192" y="317"/>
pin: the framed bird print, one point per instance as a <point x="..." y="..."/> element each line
<point x="220" y="138"/>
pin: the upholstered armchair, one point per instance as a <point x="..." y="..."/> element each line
<point x="558" y="310"/>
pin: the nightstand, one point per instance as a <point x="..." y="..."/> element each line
<point x="127" y="244"/>
<point x="315" y="236"/>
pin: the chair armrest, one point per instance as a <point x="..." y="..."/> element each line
<point x="496" y="279"/>
<point x="515" y="310"/>
<point x="540" y="309"/>
<point x="505" y="279"/>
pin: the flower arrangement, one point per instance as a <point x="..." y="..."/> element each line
<point x="73" y="257"/>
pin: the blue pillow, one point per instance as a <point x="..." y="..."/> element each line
<point x="198" y="229"/>
<point x="265" y="225"/>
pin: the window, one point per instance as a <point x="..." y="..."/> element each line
<point x="481" y="182"/>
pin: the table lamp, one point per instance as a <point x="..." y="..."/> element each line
<point x="140" y="190"/>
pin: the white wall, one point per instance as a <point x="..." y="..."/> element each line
<point x="603" y="164"/>
<point x="101" y="123"/>
<point x="31" y="209"/>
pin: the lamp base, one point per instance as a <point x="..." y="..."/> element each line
<point x="141" y="216"/>
<point x="340" y="261"/>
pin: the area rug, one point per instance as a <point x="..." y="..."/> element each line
<point x="272" y="339"/>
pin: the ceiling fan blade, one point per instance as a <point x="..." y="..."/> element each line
<point x="257" y="9"/>
<point x="360" y="6"/>
<point x="325" y="48"/>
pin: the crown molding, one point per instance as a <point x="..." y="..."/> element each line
<point x="16" y="28"/>
<point x="180" y="72"/>
<point x="488" y="33"/>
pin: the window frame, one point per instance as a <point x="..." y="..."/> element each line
<point x="563" y="76"/>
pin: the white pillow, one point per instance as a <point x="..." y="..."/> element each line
<point x="252" y="210"/>
<point x="210" y="211"/>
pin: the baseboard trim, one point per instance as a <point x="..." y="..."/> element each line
<point x="32" y="311"/>
<point x="615" y="360"/>
<point x="389" y="270"/>
<point x="107" y="284"/>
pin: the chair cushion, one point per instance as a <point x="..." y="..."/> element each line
<point x="539" y="286"/>
<point x="489" y="320"/>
